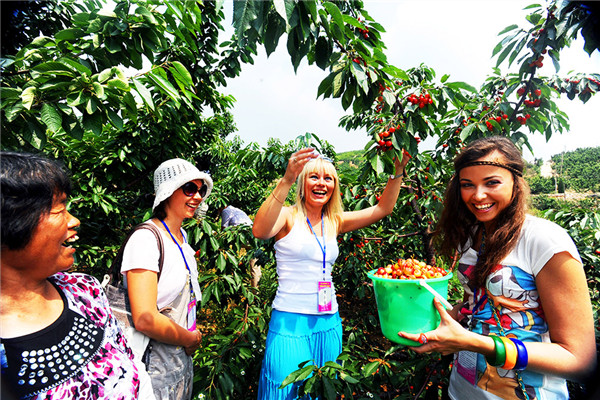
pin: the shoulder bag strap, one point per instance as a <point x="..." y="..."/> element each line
<point x="116" y="267"/>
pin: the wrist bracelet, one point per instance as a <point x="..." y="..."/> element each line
<point x="275" y="197"/>
<point x="511" y="353"/>
<point x="522" y="357"/>
<point x="500" y="353"/>
<point x="392" y="177"/>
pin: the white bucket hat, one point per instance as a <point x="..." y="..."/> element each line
<point x="174" y="173"/>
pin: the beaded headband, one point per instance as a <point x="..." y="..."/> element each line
<point x="494" y="163"/>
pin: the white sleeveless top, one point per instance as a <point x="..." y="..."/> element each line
<point x="300" y="268"/>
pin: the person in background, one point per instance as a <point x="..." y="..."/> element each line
<point x="527" y="322"/>
<point x="60" y="339"/>
<point x="305" y="323"/>
<point x="164" y="307"/>
<point x="233" y="216"/>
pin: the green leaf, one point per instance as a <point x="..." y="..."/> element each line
<point x="359" y="73"/>
<point x="99" y="90"/>
<point x="335" y="13"/>
<point x="377" y="164"/>
<point x="68" y="34"/>
<point x="508" y="29"/>
<point x="28" y="96"/>
<point x="461" y="85"/>
<point x="92" y="123"/>
<point x="298" y="375"/>
<point x="54" y="67"/>
<point x="281" y="8"/>
<point x="466" y="132"/>
<point x="181" y="74"/>
<point x="51" y="117"/>
<point x="243" y="15"/>
<point x="503" y="55"/>
<point x="118" y="84"/>
<point x="9" y="93"/>
<point x="330" y="392"/>
<point x="104" y="75"/>
<point x="114" y="119"/>
<point x="144" y="93"/>
<point x="165" y="85"/>
<point x="338" y="84"/>
<point x="323" y="51"/>
<point x="370" y="368"/>
<point x="77" y="66"/>
<point x="146" y="14"/>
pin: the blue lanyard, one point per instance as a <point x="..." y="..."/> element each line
<point x="324" y="246"/>
<point x="182" y="255"/>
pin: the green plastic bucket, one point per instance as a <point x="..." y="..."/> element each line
<point x="404" y="305"/>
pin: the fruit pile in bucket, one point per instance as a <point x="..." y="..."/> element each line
<point x="410" y="269"/>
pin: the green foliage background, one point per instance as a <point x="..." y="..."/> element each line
<point x="71" y="94"/>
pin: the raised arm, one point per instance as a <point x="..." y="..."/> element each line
<point x="272" y="216"/>
<point x="352" y="220"/>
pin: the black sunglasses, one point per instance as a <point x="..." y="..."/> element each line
<point x="190" y="189"/>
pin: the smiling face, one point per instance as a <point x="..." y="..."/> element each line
<point x="182" y="206"/>
<point x="486" y="190"/>
<point x="49" y="247"/>
<point x="318" y="188"/>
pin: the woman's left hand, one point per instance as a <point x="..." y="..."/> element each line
<point x="400" y="165"/>
<point x="296" y="163"/>
<point x="447" y="338"/>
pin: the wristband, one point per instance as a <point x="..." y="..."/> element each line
<point x="392" y="177"/>
<point x="500" y="353"/>
<point x="511" y="353"/>
<point x="522" y="357"/>
<point x="275" y="197"/>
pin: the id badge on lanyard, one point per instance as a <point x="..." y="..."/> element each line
<point x="191" y="308"/>
<point x="324" y="288"/>
<point x="324" y="294"/>
<point x="191" y="315"/>
<point x="466" y="366"/>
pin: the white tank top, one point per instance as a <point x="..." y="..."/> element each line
<point x="300" y="268"/>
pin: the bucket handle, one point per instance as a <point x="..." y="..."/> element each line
<point x="431" y="290"/>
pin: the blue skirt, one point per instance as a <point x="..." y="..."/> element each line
<point x="292" y="339"/>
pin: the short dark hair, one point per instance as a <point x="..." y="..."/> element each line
<point x="160" y="211"/>
<point x="28" y="185"/>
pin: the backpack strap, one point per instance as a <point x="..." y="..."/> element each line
<point x="116" y="267"/>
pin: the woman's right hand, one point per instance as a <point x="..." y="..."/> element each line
<point x="449" y="337"/>
<point x="195" y="345"/>
<point x="297" y="162"/>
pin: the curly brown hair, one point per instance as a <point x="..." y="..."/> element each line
<point x="458" y="225"/>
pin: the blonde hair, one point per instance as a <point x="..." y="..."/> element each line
<point x="333" y="209"/>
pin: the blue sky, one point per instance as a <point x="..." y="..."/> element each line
<point x="452" y="37"/>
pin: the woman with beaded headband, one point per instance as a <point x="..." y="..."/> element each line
<point x="305" y="324"/>
<point x="526" y="323"/>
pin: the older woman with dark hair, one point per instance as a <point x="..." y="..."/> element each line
<point x="59" y="337"/>
<point x="527" y="321"/>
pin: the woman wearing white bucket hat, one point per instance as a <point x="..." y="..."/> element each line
<point x="163" y="302"/>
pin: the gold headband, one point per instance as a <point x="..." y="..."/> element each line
<point x="494" y="163"/>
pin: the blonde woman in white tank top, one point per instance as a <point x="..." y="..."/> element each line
<point x="305" y="324"/>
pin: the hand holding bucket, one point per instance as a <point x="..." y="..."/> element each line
<point x="406" y="305"/>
